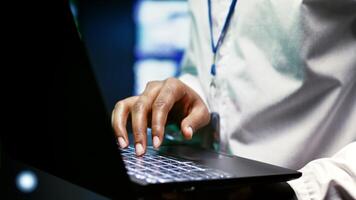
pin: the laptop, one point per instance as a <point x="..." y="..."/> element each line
<point x="79" y="144"/>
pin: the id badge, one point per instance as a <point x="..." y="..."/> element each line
<point x="214" y="115"/>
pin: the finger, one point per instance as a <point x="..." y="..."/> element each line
<point x="152" y="90"/>
<point x="171" y="92"/>
<point x="198" y="117"/>
<point x="139" y="113"/>
<point x="119" y="120"/>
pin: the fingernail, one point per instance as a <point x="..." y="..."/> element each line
<point x="189" y="132"/>
<point x="156" y="141"/>
<point x="122" y="142"/>
<point x="139" y="149"/>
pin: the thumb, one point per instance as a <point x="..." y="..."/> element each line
<point x="198" y="117"/>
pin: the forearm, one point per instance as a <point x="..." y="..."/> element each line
<point x="329" y="178"/>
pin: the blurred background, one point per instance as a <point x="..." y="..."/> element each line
<point x="132" y="42"/>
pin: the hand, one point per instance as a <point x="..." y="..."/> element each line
<point x="161" y="101"/>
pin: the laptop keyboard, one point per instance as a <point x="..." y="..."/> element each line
<point x="154" y="168"/>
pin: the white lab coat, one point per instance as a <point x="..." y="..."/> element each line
<point x="286" y="76"/>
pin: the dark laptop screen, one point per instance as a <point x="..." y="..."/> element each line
<point x="74" y="140"/>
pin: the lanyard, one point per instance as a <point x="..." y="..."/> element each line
<point x="222" y="34"/>
<point x="213" y="90"/>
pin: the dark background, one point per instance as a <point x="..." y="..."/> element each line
<point x="42" y="51"/>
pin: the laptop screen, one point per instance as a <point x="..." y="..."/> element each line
<point x="75" y="140"/>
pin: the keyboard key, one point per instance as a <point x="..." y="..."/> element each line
<point x="154" y="168"/>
